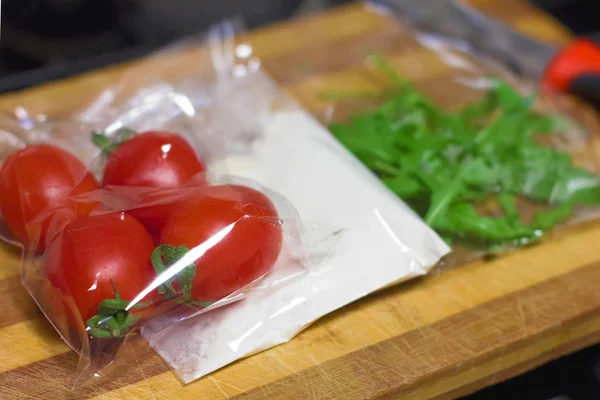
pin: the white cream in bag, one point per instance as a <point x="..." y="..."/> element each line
<point x="385" y="243"/>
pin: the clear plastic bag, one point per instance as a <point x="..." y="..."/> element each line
<point x="103" y="276"/>
<point x="103" y="262"/>
<point x="97" y="258"/>
<point x="483" y="157"/>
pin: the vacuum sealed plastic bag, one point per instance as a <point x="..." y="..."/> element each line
<point x="121" y="225"/>
<point x="385" y="243"/>
<point x="165" y="257"/>
<point x="151" y="246"/>
<point x="480" y="155"/>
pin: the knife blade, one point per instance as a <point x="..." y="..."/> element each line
<point x="574" y="68"/>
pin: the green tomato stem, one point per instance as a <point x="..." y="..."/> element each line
<point x="167" y="254"/>
<point x="109" y="144"/>
<point x="112" y="320"/>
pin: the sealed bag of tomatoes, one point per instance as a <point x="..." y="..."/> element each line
<point x="122" y="228"/>
<point x="151" y="241"/>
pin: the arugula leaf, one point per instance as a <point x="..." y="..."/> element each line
<point x="371" y="141"/>
<point x="507" y="97"/>
<point x="508" y="202"/>
<point x="404" y="185"/>
<point x="441" y="199"/>
<point x="446" y="163"/>
<point x="544" y="220"/>
<point x="465" y="218"/>
<point x="385" y="67"/>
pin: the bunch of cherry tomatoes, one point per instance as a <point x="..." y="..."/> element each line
<point x="100" y="259"/>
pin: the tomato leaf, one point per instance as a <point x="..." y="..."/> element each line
<point x="129" y="321"/>
<point x="96" y="320"/>
<point x="162" y="258"/>
<point x="109" y="144"/>
<point x="120" y="316"/>
<point x="117" y="294"/>
<point x="110" y="306"/>
<point x="100" y="333"/>
<point x="113" y="320"/>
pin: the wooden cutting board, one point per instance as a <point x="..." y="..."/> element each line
<point x="437" y="337"/>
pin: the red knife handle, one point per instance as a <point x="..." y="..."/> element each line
<point x="576" y="69"/>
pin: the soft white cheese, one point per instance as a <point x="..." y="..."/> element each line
<point x="385" y="243"/>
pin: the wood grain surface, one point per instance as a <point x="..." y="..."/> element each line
<point x="438" y="337"/>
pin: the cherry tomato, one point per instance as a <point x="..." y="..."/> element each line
<point x="255" y="198"/>
<point x="247" y="252"/>
<point x="153" y="159"/>
<point x="153" y="206"/>
<point x="37" y="184"/>
<point x="101" y="257"/>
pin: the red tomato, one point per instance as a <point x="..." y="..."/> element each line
<point x="152" y="207"/>
<point x="96" y="252"/>
<point x="153" y="159"/>
<point x="247" y="252"/>
<point x="255" y="198"/>
<point x="36" y="185"/>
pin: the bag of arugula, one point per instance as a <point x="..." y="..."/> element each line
<point x="495" y="173"/>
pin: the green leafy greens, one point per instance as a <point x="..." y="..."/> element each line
<point x="447" y="165"/>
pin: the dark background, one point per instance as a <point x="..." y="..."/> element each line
<point x="43" y="40"/>
<point x="48" y="39"/>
